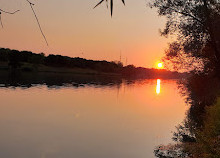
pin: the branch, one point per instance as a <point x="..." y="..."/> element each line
<point x="111" y="4"/>
<point x="31" y="5"/>
<point x="187" y="14"/>
<point x="1" y="20"/>
<point x="7" y="12"/>
<point x="98" y="4"/>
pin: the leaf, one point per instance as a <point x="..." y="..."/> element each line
<point x="106" y="3"/>
<point x="123" y="1"/>
<point x="111" y="7"/>
<point x="111" y="4"/>
<point x="99" y="3"/>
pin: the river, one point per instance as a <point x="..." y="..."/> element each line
<point x="126" y="120"/>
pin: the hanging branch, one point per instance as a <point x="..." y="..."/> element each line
<point x="111" y="4"/>
<point x="98" y="4"/>
<point x="3" y="11"/>
<point x="9" y="12"/>
<point x="1" y="19"/>
<point x="31" y="5"/>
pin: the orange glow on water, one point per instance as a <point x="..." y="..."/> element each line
<point x="72" y="115"/>
<point x="158" y="86"/>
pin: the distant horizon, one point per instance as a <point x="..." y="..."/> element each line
<point x="76" y="29"/>
<point x="87" y="58"/>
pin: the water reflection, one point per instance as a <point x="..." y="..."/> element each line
<point x="158" y="86"/>
<point x="53" y="80"/>
<point x="198" y="134"/>
<point x="124" y="120"/>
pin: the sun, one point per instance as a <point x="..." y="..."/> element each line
<point x="160" y="65"/>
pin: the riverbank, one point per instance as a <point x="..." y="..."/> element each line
<point x="32" y="68"/>
<point x="25" y="61"/>
<point x="207" y="143"/>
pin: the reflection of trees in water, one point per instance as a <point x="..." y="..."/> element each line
<point x="201" y="93"/>
<point x="57" y="80"/>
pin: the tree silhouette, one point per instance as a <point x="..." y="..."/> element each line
<point x="195" y="24"/>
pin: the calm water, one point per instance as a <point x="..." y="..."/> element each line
<point x="122" y="121"/>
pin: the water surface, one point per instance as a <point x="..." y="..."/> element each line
<point x="125" y="120"/>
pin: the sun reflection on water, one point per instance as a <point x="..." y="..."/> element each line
<point x="158" y="86"/>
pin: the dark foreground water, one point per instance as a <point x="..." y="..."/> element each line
<point x="95" y="120"/>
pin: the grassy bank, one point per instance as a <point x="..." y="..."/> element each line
<point x="207" y="143"/>
<point x="26" y="61"/>
<point x="27" y="67"/>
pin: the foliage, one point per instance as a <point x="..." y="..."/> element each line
<point x="28" y="61"/>
<point x="208" y="139"/>
<point x="194" y="23"/>
<point x="170" y="151"/>
<point x="16" y="58"/>
<point x="111" y="4"/>
<point x="201" y="92"/>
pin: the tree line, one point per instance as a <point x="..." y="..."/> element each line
<point x="16" y="58"/>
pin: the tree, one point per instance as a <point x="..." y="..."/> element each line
<point x="195" y="23"/>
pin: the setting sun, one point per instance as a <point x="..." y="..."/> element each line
<point x="160" y="65"/>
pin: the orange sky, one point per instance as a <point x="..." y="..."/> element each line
<point x="74" y="28"/>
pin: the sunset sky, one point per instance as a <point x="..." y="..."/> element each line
<point x="73" y="28"/>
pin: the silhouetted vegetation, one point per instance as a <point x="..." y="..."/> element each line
<point x="27" y="61"/>
<point x="195" y="23"/>
<point x="111" y="4"/>
<point x="140" y="72"/>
